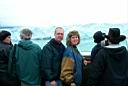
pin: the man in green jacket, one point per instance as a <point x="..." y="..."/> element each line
<point x="28" y="57"/>
<point x="52" y="54"/>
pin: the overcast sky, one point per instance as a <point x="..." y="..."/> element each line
<point x="62" y="12"/>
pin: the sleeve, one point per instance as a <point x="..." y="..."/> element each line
<point x="67" y="70"/>
<point x="96" y="69"/>
<point x="46" y="69"/>
<point x="39" y="55"/>
<point x="10" y="62"/>
<point x="93" y="53"/>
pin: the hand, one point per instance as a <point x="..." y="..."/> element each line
<point x="53" y="83"/>
<point x="73" y="84"/>
<point x="86" y="62"/>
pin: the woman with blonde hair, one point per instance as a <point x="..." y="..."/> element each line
<point x="71" y="69"/>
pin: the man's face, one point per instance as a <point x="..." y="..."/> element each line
<point x="59" y="34"/>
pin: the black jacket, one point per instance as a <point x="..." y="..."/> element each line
<point x="95" y="50"/>
<point x="109" y="68"/>
<point x="52" y="54"/>
<point x="4" y="54"/>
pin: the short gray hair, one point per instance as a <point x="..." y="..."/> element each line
<point x="57" y="28"/>
<point x="26" y="34"/>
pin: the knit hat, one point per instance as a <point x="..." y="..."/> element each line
<point x="98" y="36"/>
<point x="114" y="35"/>
<point x="4" y="34"/>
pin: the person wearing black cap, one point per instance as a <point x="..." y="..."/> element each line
<point x="98" y="37"/>
<point x="110" y="66"/>
<point x="5" y="47"/>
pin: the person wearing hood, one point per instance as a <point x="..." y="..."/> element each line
<point x="28" y="57"/>
<point x="5" y="47"/>
<point x="110" y="66"/>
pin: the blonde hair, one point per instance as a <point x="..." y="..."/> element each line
<point x="70" y="34"/>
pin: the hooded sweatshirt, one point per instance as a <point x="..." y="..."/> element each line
<point x="28" y="56"/>
<point x="110" y="67"/>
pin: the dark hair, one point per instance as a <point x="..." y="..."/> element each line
<point x="4" y="34"/>
<point x="98" y="36"/>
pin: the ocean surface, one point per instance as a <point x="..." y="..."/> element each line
<point x="41" y="35"/>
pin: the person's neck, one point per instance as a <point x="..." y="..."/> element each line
<point x="57" y="41"/>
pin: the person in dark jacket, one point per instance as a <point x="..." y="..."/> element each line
<point x="110" y="66"/>
<point x="5" y="47"/>
<point x="52" y="54"/>
<point x="72" y="63"/>
<point x="98" y="37"/>
<point x="28" y="60"/>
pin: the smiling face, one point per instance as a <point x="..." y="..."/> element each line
<point x="74" y="40"/>
<point x="59" y="34"/>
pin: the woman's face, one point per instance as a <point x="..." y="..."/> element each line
<point x="74" y="40"/>
<point x="7" y="40"/>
